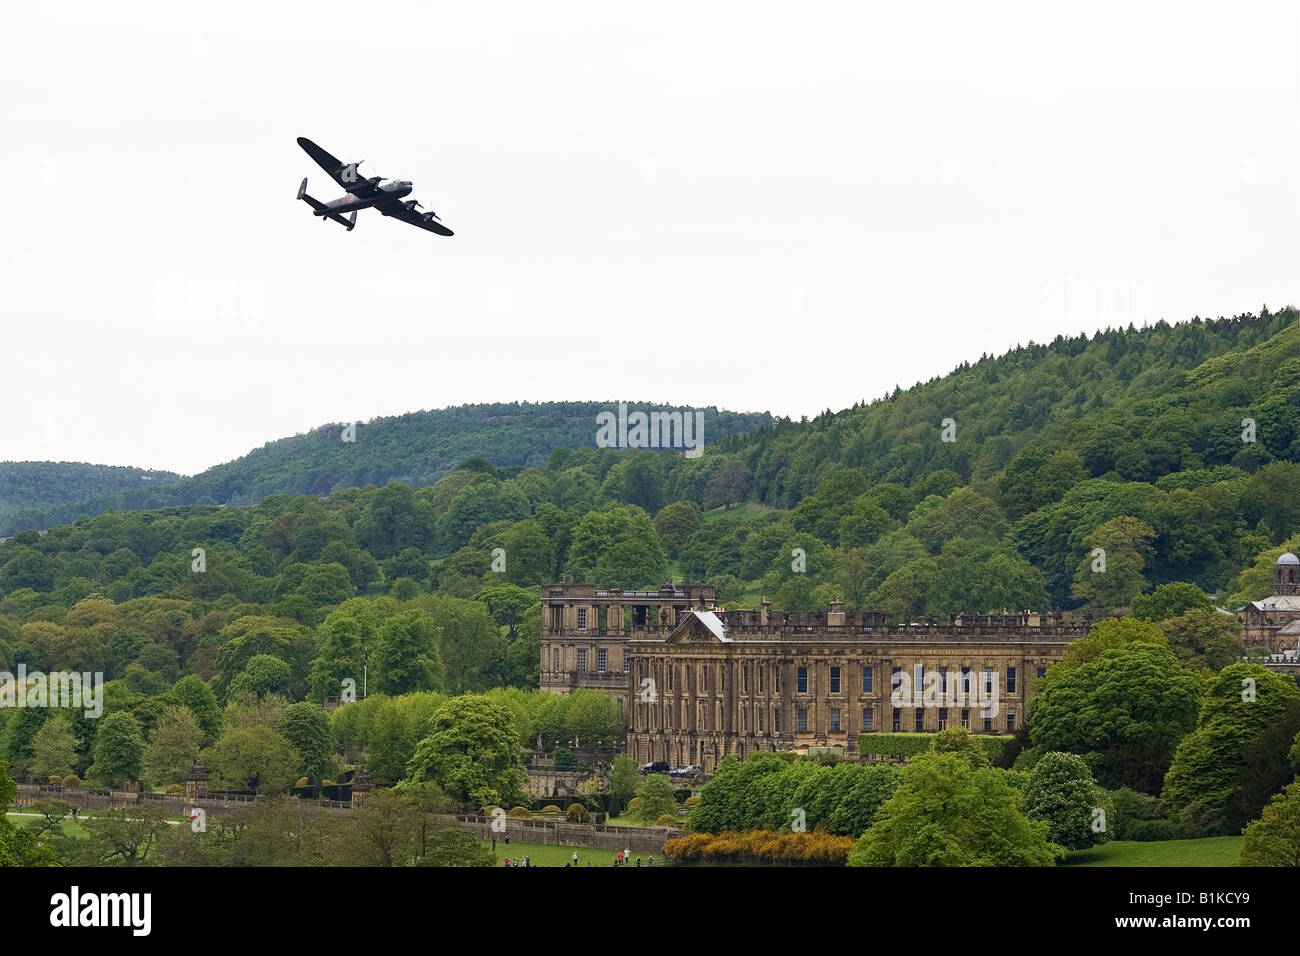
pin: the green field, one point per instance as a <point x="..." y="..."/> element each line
<point x="1211" y="851"/>
<point x="541" y="855"/>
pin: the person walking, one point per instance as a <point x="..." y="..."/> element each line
<point x="575" y="857"/>
<point x="638" y="863"/>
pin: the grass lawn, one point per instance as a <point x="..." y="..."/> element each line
<point x="1211" y="851"/>
<point x="540" y="855"/>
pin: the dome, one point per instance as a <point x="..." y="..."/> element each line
<point x="1288" y="558"/>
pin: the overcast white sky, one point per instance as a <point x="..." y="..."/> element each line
<point x="760" y="206"/>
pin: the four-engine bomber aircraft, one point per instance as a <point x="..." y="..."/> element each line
<point x="365" y="193"/>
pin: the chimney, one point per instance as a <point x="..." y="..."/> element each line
<point x="835" y="616"/>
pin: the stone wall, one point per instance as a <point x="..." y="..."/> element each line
<point x="586" y="835"/>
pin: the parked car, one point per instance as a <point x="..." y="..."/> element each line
<point x="657" y="766"/>
<point x="687" y="771"/>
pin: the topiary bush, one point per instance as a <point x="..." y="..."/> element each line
<point x="520" y="813"/>
<point x="173" y="789"/>
<point x="666" y="820"/>
<point x="550" y="808"/>
<point x="692" y="801"/>
<point x="577" y="813"/>
<point x="72" y="782"/>
<point x="634" y="803"/>
<point x="302" y="782"/>
<point x="55" y="780"/>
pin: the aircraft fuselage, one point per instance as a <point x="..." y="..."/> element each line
<point x="349" y="202"/>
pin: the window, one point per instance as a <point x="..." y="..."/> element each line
<point x="672" y="669"/>
<point x="918" y="720"/>
<point x="776" y="720"/>
<point x="555" y="658"/>
<point x="866" y="680"/>
<point x="868" y="720"/>
<point x="704" y="678"/>
<point x="802" y="686"/>
<point x="1011" y="680"/>
<point x="895" y="679"/>
<point x="582" y="618"/>
<point x="627" y="662"/>
<point x="582" y="658"/>
<point x="898" y="720"/>
<point x="835" y="680"/>
<point x="988" y="723"/>
<point x="965" y="680"/>
<point x="943" y="718"/>
<point x="760" y="678"/>
<point x="965" y="717"/>
<point x="1042" y="672"/>
<point x="1011" y="720"/>
<point x="803" y="720"/>
<point x="988" y="680"/>
<point x="835" y="720"/>
<point x="744" y="679"/>
<point x="602" y="658"/>
<point x="760" y="720"/>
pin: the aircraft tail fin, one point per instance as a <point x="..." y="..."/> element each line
<point x="322" y="210"/>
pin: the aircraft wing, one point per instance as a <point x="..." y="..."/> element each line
<point x="345" y="174"/>
<point x="397" y="210"/>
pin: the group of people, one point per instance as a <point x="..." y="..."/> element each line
<point x="527" y="861"/>
<point x="625" y="859"/>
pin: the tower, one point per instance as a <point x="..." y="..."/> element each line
<point x="361" y="787"/>
<point x="1286" y="575"/>
<point x="196" y="782"/>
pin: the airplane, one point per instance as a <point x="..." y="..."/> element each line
<point x="372" y="192"/>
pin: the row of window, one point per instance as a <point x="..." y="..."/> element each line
<point x="602" y="660"/>
<point x="868" y="681"/>
<point x="918" y="720"/>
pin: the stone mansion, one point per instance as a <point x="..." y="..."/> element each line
<point x="697" y="684"/>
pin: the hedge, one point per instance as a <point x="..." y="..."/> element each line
<point x="909" y="745"/>
<point x="818" y="848"/>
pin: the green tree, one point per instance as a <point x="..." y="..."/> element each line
<point x="657" y="798"/>
<point x="253" y="758"/>
<point x="1061" y="792"/>
<point x="676" y="523"/>
<point x="192" y="693"/>
<point x="1225" y="770"/>
<point x="1204" y="638"/>
<point x="623" y="778"/>
<point x="1125" y="711"/>
<point x="408" y="658"/>
<point x="123" y="837"/>
<point x="508" y="605"/>
<point x="119" y="749"/>
<point x="306" y="727"/>
<point x="946" y="812"/>
<point x="456" y="846"/>
<point x="174" y="742"/>
<point x="262" y="675"/>
<point x="1170" y="600"/>
<point x="1126" y="543"/>
<point x="471" y="751"/>
<point x="54" y="748"/>
<point x="344" y="638"/>
<point x="1274" y="839"/>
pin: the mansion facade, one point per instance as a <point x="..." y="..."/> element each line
<point x="1274" y="622"/>
<point x="696" y="684"/>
